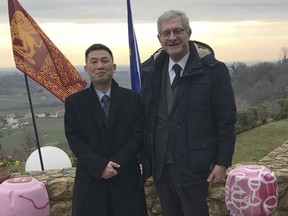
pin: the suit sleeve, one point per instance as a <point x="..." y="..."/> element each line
<point x="224" y="114"/>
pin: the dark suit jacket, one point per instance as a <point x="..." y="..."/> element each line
<point x="94" y="147"/>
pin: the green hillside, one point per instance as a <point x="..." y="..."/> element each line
<point x="50" y="132"/>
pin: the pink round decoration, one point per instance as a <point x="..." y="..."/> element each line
<point x="251" y="190"/>
<point x="23" y="196"/>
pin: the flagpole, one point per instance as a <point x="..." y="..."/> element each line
<point x="34" y="123"/>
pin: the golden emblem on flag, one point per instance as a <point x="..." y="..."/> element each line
<point x="23" y="30"/>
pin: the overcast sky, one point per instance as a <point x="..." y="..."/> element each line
<point x="238" y="30"/>
<point x="83" y="11"/>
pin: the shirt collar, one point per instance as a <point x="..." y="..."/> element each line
<point x="182" y="62"/>
<point x="101" y="94"/>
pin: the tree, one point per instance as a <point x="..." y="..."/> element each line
<point x="29" y="144"/>
<point x="284" y="55"/>
<point x="235" y="68"/>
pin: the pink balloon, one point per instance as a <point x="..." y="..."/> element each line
<point x="24" y="196"/>
<point x="251" y="190"/>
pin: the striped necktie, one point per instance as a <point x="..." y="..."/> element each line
<point x="106" y="101"/>
<point x="177" y="68"/>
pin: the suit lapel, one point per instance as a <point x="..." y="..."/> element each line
<point x="96" y="109"/>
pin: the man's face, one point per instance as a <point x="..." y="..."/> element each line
<point x="100" y="67"/>
<point x="174" y="38"/>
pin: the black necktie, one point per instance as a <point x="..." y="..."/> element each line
<point x="177" y="69"/>
<point x="106" y="101"/>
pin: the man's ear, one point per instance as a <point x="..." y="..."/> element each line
<point x="189" y="32"/>
<point x="114" y="68"/>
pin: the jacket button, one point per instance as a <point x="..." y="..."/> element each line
<point x="178" y="127"/>
<point x="178" y="155"/>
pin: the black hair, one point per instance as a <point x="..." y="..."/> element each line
<point x="97" y="47"/>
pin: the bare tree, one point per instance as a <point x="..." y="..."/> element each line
<point x="284" y="55"/>
<point x="30" y="142"/>
<point x="235" y="68"/>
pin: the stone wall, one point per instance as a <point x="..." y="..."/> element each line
<point x="59" y="184"/>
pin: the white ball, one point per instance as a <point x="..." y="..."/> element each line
<point x="52" y="157"/>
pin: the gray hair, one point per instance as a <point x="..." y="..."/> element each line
<point x="170" y="15"/>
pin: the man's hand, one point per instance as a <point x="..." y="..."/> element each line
<point x="217" y="175"/>
<point x="110" y="171"/>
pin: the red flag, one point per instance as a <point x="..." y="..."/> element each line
<point x="37" y="56"/>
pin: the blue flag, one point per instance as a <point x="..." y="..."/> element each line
<point x="135" y="71"/>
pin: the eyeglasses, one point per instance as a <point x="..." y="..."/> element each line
<point x="176" y="32"/>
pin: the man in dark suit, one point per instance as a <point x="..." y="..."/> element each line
<point x="191" y="114"/>
<point x="106" y="137"/>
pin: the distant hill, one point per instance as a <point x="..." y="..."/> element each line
<point x="122" y="75"/>
<point x="13" y="93"/>
<point x="264" y="82"/>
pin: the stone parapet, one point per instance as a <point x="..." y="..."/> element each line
<point x="59" y="184"/>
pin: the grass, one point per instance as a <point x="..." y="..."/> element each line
<point x="15" y="102"/>
<point x="254" y="144"/>
<point x="19" y="103"/>
<point x="50" y="132"/>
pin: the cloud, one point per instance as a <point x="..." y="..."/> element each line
<point x="89" y="11"/>
<point x="236" y="29"/>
